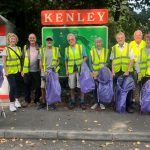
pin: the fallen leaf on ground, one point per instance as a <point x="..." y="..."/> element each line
<point x="12" y="128"/>
<point x="57" y="125"/>
<point x="95" y="121"/>
<point x="109" y="143"/>
<point x="20" y="145"/>
<point x="102" y="145"/>
<point x="83" y="141"/>
<point x="147" y="146"/>
<point x="138" y="142"/>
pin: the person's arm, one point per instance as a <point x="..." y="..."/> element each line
<point x="4" y="60"/>
<point x="66" y="64"/>
<point x="112" y="66"/>
<point x="84" y="54"/>
<point x="130" y="64"/>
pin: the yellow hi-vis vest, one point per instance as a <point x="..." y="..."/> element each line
<point x="121" y="61"/>
<point x="55" y="56"/>
<point x="136" y="50"/>
<point x="98" y="62"/>
<point x="26" y="60"/>
<point x="144" y="63"/>
<point x="73" y="59"/>
<point x="13" y="65"/>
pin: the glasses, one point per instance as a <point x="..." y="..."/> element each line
<point x="70" y="40"/>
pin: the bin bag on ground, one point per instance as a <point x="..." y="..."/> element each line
<point x="1" y="76"/>
<point x="124" y="85"/>
<point x="53" y="88"/>
<point x="86" y="80"/>
<point x="105" y="86"/>
<point x="145" y="97"/>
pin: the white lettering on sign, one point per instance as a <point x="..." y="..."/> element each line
<point x="79" y="18"/>
<point x="90" y="16"/>
<point x="101" y="15"/>
<point x="48" y="17"/>
<point x="59" y="17"/>
<point x="69" y="17"/>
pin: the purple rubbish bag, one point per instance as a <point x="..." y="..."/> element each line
<point x="53" y="88"/>
<point x="145" y="97"/>
<point x="86" y="80"/>
<point x="105" y="86"/>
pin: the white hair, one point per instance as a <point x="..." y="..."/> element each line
<point x="71" y="34"/>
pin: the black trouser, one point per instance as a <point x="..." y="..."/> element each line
<point x="95" y="92"/>
<point x="129" y="101"/>
<point x="32" y="79"/>
<point x="14" y="81"/>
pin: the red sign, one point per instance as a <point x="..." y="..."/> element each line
<point x="74" y="17"/>
<point x="2" y="30"/>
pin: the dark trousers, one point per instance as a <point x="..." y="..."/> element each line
<point x="32" y="79"/>
<point x="95" y="92"/>
<point x="129" y="102"/>
<point x="14" y="84"/>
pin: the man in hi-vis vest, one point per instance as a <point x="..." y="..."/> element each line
<point x="98" y="59"/>
<point x="49" y="59"/>
<point x="75" y="54"/>
<point x="122" y="64"/>
<point x="136" y="45"/>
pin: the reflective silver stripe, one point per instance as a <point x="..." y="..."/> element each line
<point x="121" y="64"/>
<point x="13" y="59"/>
<point x="73" y="65"/>
<point x="75" y="59"/>
<point x="121" y="57"/>
<point x="25" y="66"/>
<point x="143" y="62"/>
<point x="99" y="64"/>
<point x="12" y="65"/>
<point x="143" y="68"/>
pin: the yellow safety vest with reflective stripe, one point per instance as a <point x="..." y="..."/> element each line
<point x="121" y="61"/>
<point x="55" y="56"/>
<point x="26" y="60"/>
<point x="144" y="63"/>
<point x="13" y="65"/>
<point x="74" y="58"/>
<point x="98" y="61"/>
<point x="136" y="49"/>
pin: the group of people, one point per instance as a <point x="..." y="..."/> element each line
<point x="33" y="63"/>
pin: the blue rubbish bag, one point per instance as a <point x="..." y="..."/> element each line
<point x="1" y="76"/>
<point x="105" y="86"/>
<point x="145" y="97"/>
<point x="53" y="88"/>
<point x="124" y="85"/>
<point x="87" y="83"/>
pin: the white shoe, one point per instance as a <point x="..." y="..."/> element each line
<point x="102" y="106"/>
<point x="94" y="106"/>
<point x="17" y="104"/>
<point x="12" y="107"/>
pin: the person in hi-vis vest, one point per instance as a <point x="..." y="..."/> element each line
<point x="75" y="54"/>
<point x="122" y="64"/>
<point x="11" y="57"/>
<point x="49" y="59"/>
<point x="136" y="45"/>
<point x="98" y="58"/>
<point x="31" y="70"/>
<point x="143" y="62"/>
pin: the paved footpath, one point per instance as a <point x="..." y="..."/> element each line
<point x="75" y="124"/>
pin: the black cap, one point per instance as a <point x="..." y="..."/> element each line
<point x="49" y="38"/>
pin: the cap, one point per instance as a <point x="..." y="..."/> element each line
<point x="49" y="38"/>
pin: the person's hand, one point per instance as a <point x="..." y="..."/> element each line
<point x="113" y="73"/>
<point x="22" y="74"/>
<point x="67" y="73"/>
<point x="126" y="73"/>
<point x="94" y="75"/>
<point x="139" y="76"/>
